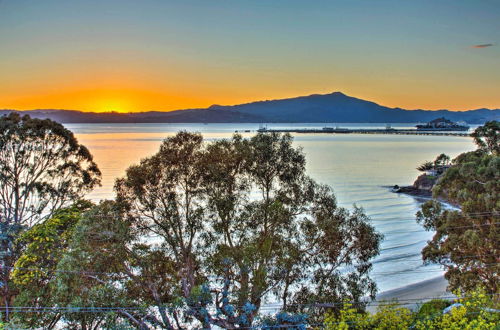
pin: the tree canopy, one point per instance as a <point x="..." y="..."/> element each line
<point x="35" y="271"/>
<point x="476" y="310"/>
<point x="439" y="164"/>
<point x="241" y="221"/>
<point x="487" y="137"/>
<point x="200" y="234"/>
<point x="42" y="168"/>
<point x="466" y="241"/>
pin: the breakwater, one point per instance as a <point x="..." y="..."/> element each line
<point x="328" y="130"/>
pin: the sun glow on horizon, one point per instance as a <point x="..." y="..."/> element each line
<point x="112" y="105"/>
<point x="177" y="55"/>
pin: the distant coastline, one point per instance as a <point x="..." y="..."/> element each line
<point x="327" y="108"/>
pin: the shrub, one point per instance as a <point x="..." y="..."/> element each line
<point x="388" y="316"/>
<point x="432" y="308"/>
<point x="477" y="311"/>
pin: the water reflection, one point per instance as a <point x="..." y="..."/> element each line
<point x="359" y="167"/>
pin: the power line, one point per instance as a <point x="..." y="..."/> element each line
<point x="262" y="308"/>
<point x="389" y="232"/>
<point x="45" y="269"/>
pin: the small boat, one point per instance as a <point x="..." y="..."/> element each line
<point x="443" y="124"/>
<point x="262" y="128"/>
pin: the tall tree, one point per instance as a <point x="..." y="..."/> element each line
<point x="92" y="277"/>
<point x="116" y="276"/>
<point x="87" y="269"/>
<point x="35" y="273"/>
<point x="241" y="221"/>
<point x="42" y="168"/>
<point x="487" y="137"/>
<point x="466" y="242"/>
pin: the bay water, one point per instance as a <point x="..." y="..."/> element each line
<point x="361" y="168"/>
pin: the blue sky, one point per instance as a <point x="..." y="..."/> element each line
<point x="138" y="55"/>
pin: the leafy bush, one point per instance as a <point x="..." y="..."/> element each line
<point x="433" y="307"/>
<point x="285" y="320"/>
<point x="477" y="311"/>
<point x="388" y="316"/>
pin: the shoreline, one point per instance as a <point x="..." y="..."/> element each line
<point x="421" y="194"/>
<point x="412" y="295"/>
<point x="412" y="191"/>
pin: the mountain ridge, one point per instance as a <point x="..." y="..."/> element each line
<point x="333" y="107"/>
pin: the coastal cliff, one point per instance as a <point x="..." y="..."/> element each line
<point x="425" y="182"/>
<point x="421" y="187"/>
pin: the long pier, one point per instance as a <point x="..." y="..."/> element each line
<point x="328" y="130"/>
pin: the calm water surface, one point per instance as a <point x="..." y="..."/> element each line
<point x="359" y="167"/>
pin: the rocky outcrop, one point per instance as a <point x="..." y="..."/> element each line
<point x="425" y="182"/>
<point x="421" y="187"/>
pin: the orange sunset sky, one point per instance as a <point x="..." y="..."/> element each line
<point x="165" y="55"/>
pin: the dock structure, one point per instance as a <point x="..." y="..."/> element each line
<point x="328" y="130"/>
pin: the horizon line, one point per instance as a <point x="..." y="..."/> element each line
<point x="240" y="104"/>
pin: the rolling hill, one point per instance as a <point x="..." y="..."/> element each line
<point x="329" y="108"/>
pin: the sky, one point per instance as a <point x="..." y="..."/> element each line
<point x="124" y="55"/>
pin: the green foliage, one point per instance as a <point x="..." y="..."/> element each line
<point x="388" y="316"/>
<point x="427" y="166"/>
<point x="94" y="272"/>
<point x="42" y="168"/>
<point x="12" y="325"/>
<point x="442" y="160"/>
<point x="487" y="137"/>
<point x="477" y="312"/>
<point x="86" y="256"/>
<point x="432" y="308"/>
<point x="231" y="221"/>
<point x="43" y="245"/>
<point x="244" y="215"/>
<point x="466" y="241"/>
<point x="439" y="165"/>
<point x="35" y="270"/>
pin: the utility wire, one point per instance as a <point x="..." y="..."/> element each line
<point x="108" y="233"/>
<point x="262" y="308"/>
<point x="42" y="269"/>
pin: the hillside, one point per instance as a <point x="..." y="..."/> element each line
<point x="329" y="108"/>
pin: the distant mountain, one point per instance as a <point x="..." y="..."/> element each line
<point x="328" y="108"/>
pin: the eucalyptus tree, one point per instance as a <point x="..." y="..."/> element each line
<point x="94" y="280"/>
<point x="42" y="168"/>
<point x="466" y="241"/>
<point x="240" y="222"/>
<point x="85" y="267"/>
<point x="487" y="137"/>
<point x="35" y="271"/>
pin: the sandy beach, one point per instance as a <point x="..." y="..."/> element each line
<point x="411" y="296"/>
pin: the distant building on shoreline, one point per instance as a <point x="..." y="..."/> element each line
<point x="443" y="124"/>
